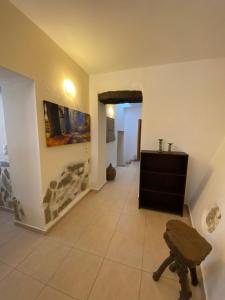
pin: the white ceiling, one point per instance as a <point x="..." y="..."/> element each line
<point x="103" y="35"/>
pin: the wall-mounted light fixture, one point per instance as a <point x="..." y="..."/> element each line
<point x="69" y="88"/>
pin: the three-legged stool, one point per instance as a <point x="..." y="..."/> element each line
<point x="187" y="250"/>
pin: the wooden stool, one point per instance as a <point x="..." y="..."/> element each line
<point x="187" y="250"/>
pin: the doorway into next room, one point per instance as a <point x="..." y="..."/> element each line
<point x="123" y="134"/>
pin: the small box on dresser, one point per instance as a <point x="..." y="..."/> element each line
<point x="163" y="180"/>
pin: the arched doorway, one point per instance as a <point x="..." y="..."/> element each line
<point x="130" y="101"/>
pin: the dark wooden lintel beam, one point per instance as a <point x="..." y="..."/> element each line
<point x="118" y="97"/>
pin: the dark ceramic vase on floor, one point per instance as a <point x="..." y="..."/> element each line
<point x="110" y="173"/>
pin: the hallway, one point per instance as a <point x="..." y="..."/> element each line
<point x="104" y="249"/>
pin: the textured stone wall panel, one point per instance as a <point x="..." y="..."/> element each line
<point x="6" y="194"/>
<point x="65" y="188"/>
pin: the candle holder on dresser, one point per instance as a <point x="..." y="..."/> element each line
<point x="160" y="145"/>
<point x="170" y="147"/>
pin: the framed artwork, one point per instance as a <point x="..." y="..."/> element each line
<point x="65" y="126"/>
<point x="110" y="130"/>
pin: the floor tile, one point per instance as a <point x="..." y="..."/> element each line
<point x="51" y="294"/>
<point x="65" y="233"/>
<point x="131" y="205"/>
<point x="92" y="200"/>
<point x="165" y="289"/>
<point x="116" y="282"/>
<point x="133" y="225"/>
<point x="109" y="207"/>
<point x="95" y="240"/>
<point x="17" y="286"/>
<point x="111" y="204"/>
<point x="126" y="250"/>
<point x="19" y="247"/>
<point x="4" y="270"/>
<point x="152" y="260"/>
<point x="154" y="236"/>
<point x="106" y="220"/>
<point x="8" y="230"/>
<point x="44" y="260"/>
<point x="10" y="226"/>
<point x="81" y="216"/>
<point x="77" y="274"/>
<point x="70" y="259"/>
<point x="6" y="217"/>
<point x="159" y="219"/>
<point x="6" y="233"/>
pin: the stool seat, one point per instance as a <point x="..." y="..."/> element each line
<point x="186" y="243"/>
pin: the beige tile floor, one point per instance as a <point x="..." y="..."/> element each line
<point x="104" y="249"/>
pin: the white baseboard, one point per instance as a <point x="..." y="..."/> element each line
<point x="9" y="210"/>
<point x="29" y="227"/>
<point x="60" y="216"/>
<point x="99" y="187"/>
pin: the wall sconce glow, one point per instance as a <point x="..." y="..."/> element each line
<point x="110" y="111"/>
<point x="69" y="88"/>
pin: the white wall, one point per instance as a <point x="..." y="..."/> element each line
<point x="29" y="51"/>
<point x="19" y="102"/>
<point x="98" y="157"/>
<point x="98" y="84"/>
<point x="131" y="116"/>
<point x="111" y="148"/>
<point x="120" y="123"/>
<point x="211" y="194"/>
<point x="126" y="119"/>
<point x="183" y="103"/>
<point x="119" y="113"/>
<point x="2" y="129"/>
<point x="111" y="154"/>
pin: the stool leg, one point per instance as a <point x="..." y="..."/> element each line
<point x="173" y="267"/>
<point x="156" y="275"/>
<point x="182" y="272"/>
<point x="194" y="277"/>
